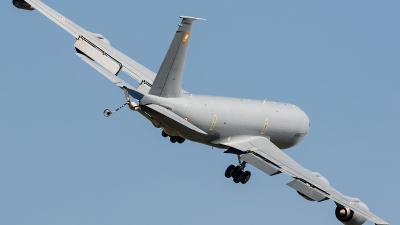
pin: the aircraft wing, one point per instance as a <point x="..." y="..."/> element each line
<point x="128" y="65"/>
<point x="116" y="80"/>
<point x="264" y="155"/>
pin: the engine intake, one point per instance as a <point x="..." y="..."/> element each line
<point x="348" y="216"/>
<point x="21" y="4"/>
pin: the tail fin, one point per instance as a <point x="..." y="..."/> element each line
<point x="168" y="82"/>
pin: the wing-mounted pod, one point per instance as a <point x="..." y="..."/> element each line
<point x="348" y="216"/>
<point x="21" y="4"/>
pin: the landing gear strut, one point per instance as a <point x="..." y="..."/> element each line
<point x="237" y="173"/>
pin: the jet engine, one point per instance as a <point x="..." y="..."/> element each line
<point x="348" y="216"/>
<point x="21" y="4"/>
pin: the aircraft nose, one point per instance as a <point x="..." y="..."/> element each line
<point x="305" y="127"/>
<point x="307" y="122"/>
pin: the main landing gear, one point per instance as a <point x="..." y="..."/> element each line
<point x="237" y="173"/>
<point x="173" y="139"/>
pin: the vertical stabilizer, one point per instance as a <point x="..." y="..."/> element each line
<point x="168" y="82"/>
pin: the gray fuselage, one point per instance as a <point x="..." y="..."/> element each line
<point x="223" y="117"/>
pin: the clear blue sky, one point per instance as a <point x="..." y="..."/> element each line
<point x="62" y="162"/>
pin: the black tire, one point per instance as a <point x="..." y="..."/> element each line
<point x="236" y="177"/>
<point x="229" y="170"/>
<point x="172" y="139"/>
<point x="180" y="140"/>
<point x="164" y="134"/>
<point x="235" y="171"/>
<point x="245" y="177"/>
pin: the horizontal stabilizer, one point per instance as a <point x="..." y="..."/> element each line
<point x="175" y="117"/>
<point x="116" y="80"/>
<point x="191" y="17"/>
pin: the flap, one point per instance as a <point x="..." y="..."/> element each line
<point x="260" y="164"/>
<point x="116" y="80"/>
<point x="307" y="190"/>
<point x="129" y="66"/>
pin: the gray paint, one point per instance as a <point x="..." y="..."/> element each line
<point x="260" y="164"/>
<point x="310" y="192"/>
<point x="171" y="115"/>
<point x="226" y="122"/>
<point x="168" y="82"/>
<point x="98" y="56"/>
<point x="285" y="121"/>
<point x="137" y="94"/>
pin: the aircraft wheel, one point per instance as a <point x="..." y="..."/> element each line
<point x="180" y="140"/>
<point x="172" y="139"/>
<point x="245" y="177"/>
<point x="164" y="134"/>
<point x="237" y="176"/>
<point x="235" y="171"/>
<point x="229" y="170"/>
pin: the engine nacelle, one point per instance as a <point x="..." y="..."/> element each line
<point x="21" y="4"/>
<point x="348" y="216"/>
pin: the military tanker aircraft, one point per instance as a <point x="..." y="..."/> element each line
<point x="256" y="131"/>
